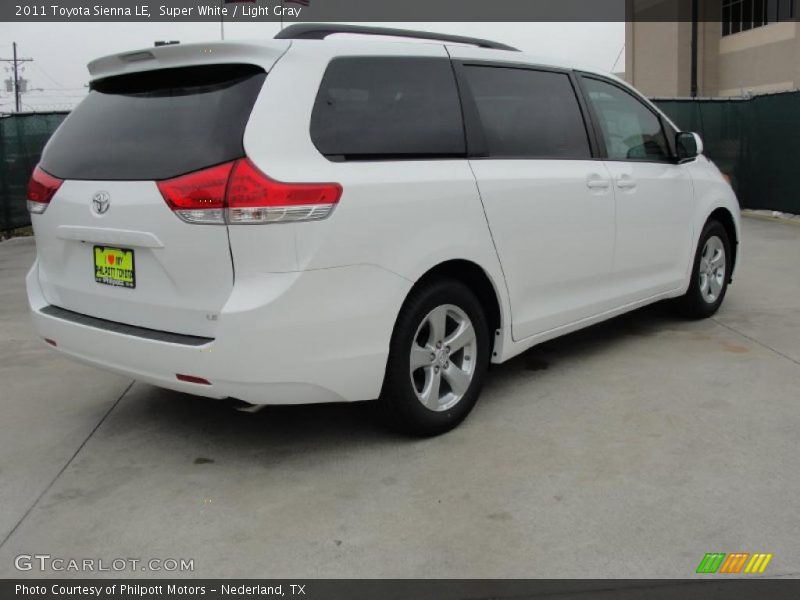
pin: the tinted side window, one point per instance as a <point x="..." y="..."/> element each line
<point x="385" y="107"/>
<point x="527" y="113"/>
<point x="630" y="129"/>
<point x="156" y="124"/>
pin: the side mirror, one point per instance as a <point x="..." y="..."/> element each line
<point x="689" y="145"/>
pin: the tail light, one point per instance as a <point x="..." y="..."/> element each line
<point x="198" y="197"/>
<point x="41" y="189"/>
<point x="239" y="193"/>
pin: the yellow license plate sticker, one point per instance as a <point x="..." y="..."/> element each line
<point x="114" y="266"/>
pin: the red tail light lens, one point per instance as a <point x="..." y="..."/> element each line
<point x="239" y="193"/>
<point x="41" y="189"/>
<point x="198" y="197"/>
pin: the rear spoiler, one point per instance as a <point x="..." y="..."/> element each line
<point x="263" y="54"/>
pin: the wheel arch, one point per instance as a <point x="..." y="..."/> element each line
<point x="475" y="278"/>
<point x="725" y="218"/>
<point x="480" y="282"/>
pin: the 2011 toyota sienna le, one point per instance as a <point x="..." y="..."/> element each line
<point x="308" y="220"/>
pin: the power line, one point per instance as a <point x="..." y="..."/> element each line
<point x="621" y="50"/>
<point x="46" y="74"/>
<point x="58" y="90"/>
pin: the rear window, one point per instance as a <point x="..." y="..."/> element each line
<point x="388" y="107"/>
<point x="156" y="124"/>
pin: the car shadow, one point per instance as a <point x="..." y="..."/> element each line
<point x="648" y="321"/>
<point x="323" y="424"/>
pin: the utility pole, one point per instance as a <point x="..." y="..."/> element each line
<point x="16" y="62"/>
<point x="222" y="21"/>
<point x="693" y="68"/>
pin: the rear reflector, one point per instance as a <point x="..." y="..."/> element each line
<point x="193" y="379"/>
<point x="51" y="342"/>
<point x="239" y="193"/>
<point x="41" y="189"/>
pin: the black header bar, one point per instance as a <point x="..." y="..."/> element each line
<point x="305" y="11"/>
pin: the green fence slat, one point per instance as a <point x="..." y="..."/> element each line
<point x="22" y="137"/>
<point x="755" y="141"/>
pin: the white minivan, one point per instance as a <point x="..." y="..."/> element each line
<point x="308" y="220"/>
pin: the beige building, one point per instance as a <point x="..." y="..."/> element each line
<point x="743" y="47"/>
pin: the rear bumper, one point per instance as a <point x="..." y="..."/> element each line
<point x="283" y="338"/>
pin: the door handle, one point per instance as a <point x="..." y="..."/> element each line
<point x="595" y="182"/>
<point x="626" y="182"/>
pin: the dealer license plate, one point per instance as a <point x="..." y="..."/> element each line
<point x="114" y="266"/>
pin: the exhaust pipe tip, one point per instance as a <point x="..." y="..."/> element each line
<point x="246" y="407"/>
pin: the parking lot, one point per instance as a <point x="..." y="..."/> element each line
<point x="627" y="450"/>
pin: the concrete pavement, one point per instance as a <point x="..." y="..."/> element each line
<point x="627" y="450"/>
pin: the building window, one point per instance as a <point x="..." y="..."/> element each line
<point x="742" y="15"/>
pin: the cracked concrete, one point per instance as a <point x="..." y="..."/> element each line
<point x="627" y="450"/>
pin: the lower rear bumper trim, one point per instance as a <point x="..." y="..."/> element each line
<point x="132" y="330"/>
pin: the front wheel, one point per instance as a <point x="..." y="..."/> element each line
<point x="710" y="274"/>
<point x="438" y="359"/>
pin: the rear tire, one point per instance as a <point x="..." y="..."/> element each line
<point x="710" y="273"/>
<point x="437" y="359"/>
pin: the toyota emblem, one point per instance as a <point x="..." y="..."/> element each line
<point x="100" y="202"/>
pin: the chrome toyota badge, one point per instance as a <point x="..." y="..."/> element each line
<point x="100" y="202"/>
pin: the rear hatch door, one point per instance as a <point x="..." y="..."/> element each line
<point x="109" y="245"/>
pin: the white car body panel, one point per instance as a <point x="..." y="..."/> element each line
<point x="274" y="340"/>
<point x="304" y="312"/>
<point x="712" y="193"/>
<point x="178" y="258"/>
<point x="534" y="208"/>
<point x="654" y="228"/>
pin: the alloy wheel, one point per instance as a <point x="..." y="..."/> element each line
<point x="443" y="357"/>
<point x="712" y="269"/>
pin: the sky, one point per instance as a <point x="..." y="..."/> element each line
<point x="57" y="76"/>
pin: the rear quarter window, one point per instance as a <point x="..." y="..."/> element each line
<point x="156" y="124"/>
<point x="388" y="107"/>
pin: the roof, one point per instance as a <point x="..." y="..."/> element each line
<point x="460" y="47"/>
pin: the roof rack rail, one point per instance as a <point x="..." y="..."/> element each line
<point x="319" y="31"/>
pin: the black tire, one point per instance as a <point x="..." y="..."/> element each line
<point x="400" y="406"/>
<point x="695" y="304"/>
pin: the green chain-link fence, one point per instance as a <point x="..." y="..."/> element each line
<point x="22" y="137"/>
<point x="756" y="141"/>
